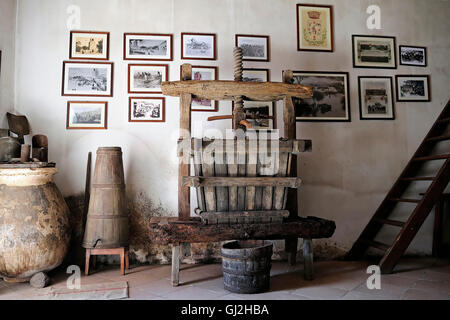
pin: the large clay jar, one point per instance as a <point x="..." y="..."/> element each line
<point x="34" y="223"/>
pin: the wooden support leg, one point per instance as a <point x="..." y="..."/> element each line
<point x="94" y="262"/>
<point x="88" y="258"/>
<point x="308" y="256"/>
<point x="127" y="258"/>
<point x="290" y="246"/>
<point x="176" y="250"/>
<point x="122" y="261"/>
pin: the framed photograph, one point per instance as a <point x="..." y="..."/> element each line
<point x="255" y="75"/>
<point x="87" y="79"/>
<point x="203" y="73"/>
<point x="413" y="56"/>
<point x="413" y="88"/>
<point x="90" y="45"/>
<point x="145" y="109"/>
<point x="314" y="27"/>
<point x="147" y="46"/>
<point x="374" y="52"/>
<point x="146" y="78"/>
<point x="331" y="99"/>
<point x="376" y="98"/>
<point x="254" y="48"/>
<point x="198" y="46"/>
<point x="87" y="114"/>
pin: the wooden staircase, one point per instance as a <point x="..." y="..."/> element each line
<point x="423" y="205"/>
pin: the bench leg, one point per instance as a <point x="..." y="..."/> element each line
<point x="88" y="259"/>
<point x="308" y="256"/>
<point x="176" y="250"/>
<point x="290" y="246"/>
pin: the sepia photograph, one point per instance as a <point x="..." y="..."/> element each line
<point x="198" y="46"/>
<point x="87" y="79"/>
<point x="314" y="27"/>
<point x="148" y="46"/>
<point x="204" y="73"/>
<point x="146" y="78"/>
<point x="374" y="52"/>
<point x="413" y="56"/>
<point x="330" y="101"/>
<point x="255" y="75"/>
<point x="89" y="45"/>
<point x="142" y="109"/>
<point x="86" y="115"/>
<point x="376" y="98"/>
<point x="413" y="88"/>
<point x="254" y="48"/>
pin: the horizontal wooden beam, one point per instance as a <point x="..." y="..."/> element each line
<point x="228" y="90"/>
<point x="168" y="230"/>
<point x="197" y="181"/>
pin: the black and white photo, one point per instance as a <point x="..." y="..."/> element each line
<point x="198" y="46"/>
<point x="374" y="52"/>
<point x="413" y="56"/>
<point x="146" y="78"/>
<point x="87" y="79"/>
<point x="376" y="98"/>
<point x="330" y="100"/>
<point x="413" y="88"/>
<point x="86" y="115"/>
<point x="148" y="46"/>
<point x="255" y="75"/>
<point x="144" y="109"/>
<point x="254" y="48"/>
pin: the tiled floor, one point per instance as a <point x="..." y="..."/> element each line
<point x="415" y="278"/>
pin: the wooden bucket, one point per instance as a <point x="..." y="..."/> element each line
<point x="107" y="220"/>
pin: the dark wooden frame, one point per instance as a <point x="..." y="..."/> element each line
<point x="199" y="34"/>
<point x="394" y="46"/>
<point x="237" y="36"/>
<point x="163" y="111"/>
<point x="166" y="66"/>
<point x="105" y="121"/>
<point x="93" y="32"/>
<point x="331" y="27"/>
<point x="397" y="76"/>
<point x="84" y="94"/>
<point x="147" y="34"/>
<point x="216" y="77"/>
<point x="412" y="65"/>
<point x="360" y="97"/>
<point x="348" y="96"/>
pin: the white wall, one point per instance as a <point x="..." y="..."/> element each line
<point x="7" y="36"/>
<point x="352" y="165"/>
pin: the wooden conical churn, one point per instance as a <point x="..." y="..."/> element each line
<point x="107" y="219"/>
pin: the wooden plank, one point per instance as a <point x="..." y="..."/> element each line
<point x="184" y="201"/>
<point x="233" y="217"/>
<point x="308" y="256"/>
<point x="186" y="72"/>
<point x="232" y="172"/>
<point x="251" y="172"/>
<point x="198" y="171"/>
<point x="242" y="171"/>
<point x="221" y="191"/>
<point x="278" y="196"/>
<point x="228" y="90"/>
<point x="309" y="228"/>
<point x="203" y="181"/>
<point x="176" y="253"/>
<point x="208" y="171"/>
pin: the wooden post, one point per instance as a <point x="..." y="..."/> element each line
<point x="238" y="112"/>
<point x="176" y="250"/>
<point x="308" y="256"/>
<point x="290" y="133"/>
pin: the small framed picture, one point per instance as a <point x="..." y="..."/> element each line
<point x="330" y="100"/>
<point x="314" y="27"/>
<point x="376" y="98"/>
<point x="147" y="46"/>
<point x="86" y="114"/>
<point x="255" y="75"/>
<point x="203" y="73"/>
<point x="413" y="88"/>
<point x="254" y="48"/>
<point x="146" y="78"/>
<point x="413" y="56"/>
<point x="87" y="79"/>
<point x="146" y="109"/>
<point x="198" y="46"/>
<point x="90" y="45"/>
<point x="374" y="52"/>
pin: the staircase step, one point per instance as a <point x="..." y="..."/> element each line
<point x="405" y="200"/>
<point x="391" y="222"/>
<point x="436" y="157"/>
<point x="378" y="245"/>
<point x="445" y="120"/>
<point x="418" y="179"/>
<point x="439" y="138"/>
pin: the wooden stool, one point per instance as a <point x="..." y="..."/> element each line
<point x="122" y="251"/>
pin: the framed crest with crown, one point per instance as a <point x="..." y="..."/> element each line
<point x="314" y="27"/>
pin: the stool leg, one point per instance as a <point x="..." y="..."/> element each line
<point x="176" y="265"/>
<point x="308" y="256"/>
<point x="122" y="261"/>
<point x="291" y="250"/>
<point x="88" y="258"/>
<point x="127" y="258"/>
